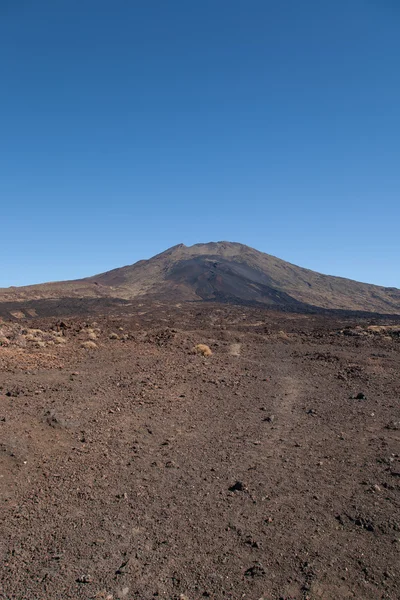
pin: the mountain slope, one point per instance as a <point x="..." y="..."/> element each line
<point x="221" y="271"/>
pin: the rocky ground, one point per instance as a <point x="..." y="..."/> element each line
<point x="133" y="467"/>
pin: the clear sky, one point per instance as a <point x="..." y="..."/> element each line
<point x="129" y="126"/>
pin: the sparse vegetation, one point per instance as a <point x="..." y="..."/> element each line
<point x="89" y="345"/>
<point x="202" y="349"/>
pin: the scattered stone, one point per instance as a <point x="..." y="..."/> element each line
<point x="121" y="568"/>
<point x="256" y="570"/>
<point x="269" y="419"/>
<point x="253" y="543"/>
<point x="394" y="425"/>
<point x="85" y="579"/>
<point x="238" y="487"/>
<point x="359" y="396"/>
<point x="14" y="392"/>
<point x="57" y="556"/>
<point x="52" y="419"/>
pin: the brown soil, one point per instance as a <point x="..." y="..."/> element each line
<point x="139" y="469"/>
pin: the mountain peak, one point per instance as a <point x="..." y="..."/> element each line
<point x="221" y="271"/>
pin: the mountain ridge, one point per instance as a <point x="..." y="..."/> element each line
<point x="220" y="271"/>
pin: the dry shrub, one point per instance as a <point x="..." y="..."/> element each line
<point x="60" y="340"/>
<point x="57" y="334"/>
<point x="35" y="332"/>
<point x="202" y="349"/>
<point x="114" y="336"/>
<point x="376" y="328"/>
<point x="17" y="314"/>
<point x="384" y="329"/>
<point x="282" y="335"/>
<point x="92" y="335"/>
<point x="89" y="345"/>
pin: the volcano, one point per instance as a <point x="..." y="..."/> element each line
<point x="216" y="271"/>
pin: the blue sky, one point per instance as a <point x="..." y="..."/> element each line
<point x="128" y="127"/>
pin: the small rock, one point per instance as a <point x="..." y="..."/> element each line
<point x="359" y="396"/>
<point x="269" y="520"/>
<point x="255" y="571"/>
<point x="85" y="579"/>
<point x="120" y="570"/>
<point x="270" y="419"/>
<point x="238" y="487"/>
<point x="394" y="425"/>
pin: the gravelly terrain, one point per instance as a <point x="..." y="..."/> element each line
<point x="138" y="469"/>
